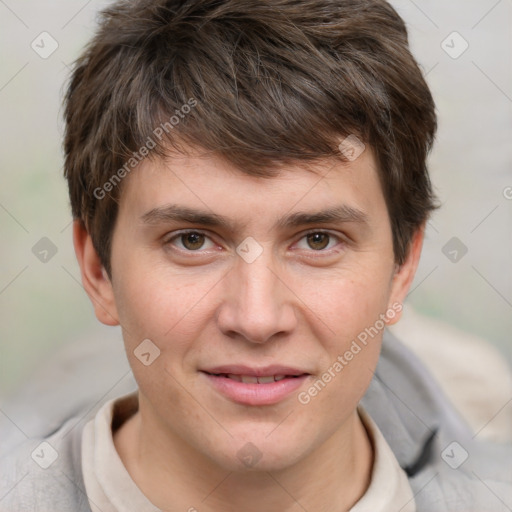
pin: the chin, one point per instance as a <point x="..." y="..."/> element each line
<point x="257" y="454"/>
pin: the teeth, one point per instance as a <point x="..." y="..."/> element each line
<point x="249" y="379"/>
<point x="265" y="380"/>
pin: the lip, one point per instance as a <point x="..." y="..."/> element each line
<point x="241" y="369"/>
<point x="256" y="394"/>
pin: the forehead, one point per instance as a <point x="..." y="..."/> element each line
<point x="211" y="184"/>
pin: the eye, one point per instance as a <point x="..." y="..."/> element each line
<point x="190" y="241"/>
<point x="319" y="241"/>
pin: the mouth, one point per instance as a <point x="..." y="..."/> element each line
<point x="252" y="379"/>
<point x="246" y="388"/>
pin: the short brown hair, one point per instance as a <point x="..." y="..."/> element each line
<point x="266" y="83"/>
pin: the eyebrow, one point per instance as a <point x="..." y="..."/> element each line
<point x="179" y="213"/>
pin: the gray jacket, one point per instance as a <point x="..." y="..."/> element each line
<point x="449" y="468"/>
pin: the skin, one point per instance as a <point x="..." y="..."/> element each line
<point x="300" y="303"/>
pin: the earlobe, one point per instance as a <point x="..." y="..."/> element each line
<point x="404" y="275"/>
<point x="95" y="280"/>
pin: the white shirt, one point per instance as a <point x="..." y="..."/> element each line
<point x="110" y="488"/>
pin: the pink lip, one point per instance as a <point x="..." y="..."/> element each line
<point x="255" y="394"/>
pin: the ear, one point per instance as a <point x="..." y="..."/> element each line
<point x="404" y="275"/>
<point x="95" y="280"/>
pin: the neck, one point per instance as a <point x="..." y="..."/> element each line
<point x="169" y="471"/>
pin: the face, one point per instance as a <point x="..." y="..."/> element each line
<point x="226" y="273"/>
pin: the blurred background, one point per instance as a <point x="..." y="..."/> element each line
<point x="465" y="276"/>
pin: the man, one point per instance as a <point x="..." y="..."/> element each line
<point x="249" y="188"/>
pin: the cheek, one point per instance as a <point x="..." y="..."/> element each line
<point x="160" y="324"/>
<point x="348" y="318"/>
<point x="345" y="304"/>
<point x="346" y="311"/>
<point x="170" y="310"/>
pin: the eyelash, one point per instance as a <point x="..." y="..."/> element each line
<point x="178" y="235"/>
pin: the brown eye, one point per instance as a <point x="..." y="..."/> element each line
<point x="192" y="241"/>
<point x="318" y="241"/>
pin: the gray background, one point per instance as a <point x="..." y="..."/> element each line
<point x="42" y="304"/>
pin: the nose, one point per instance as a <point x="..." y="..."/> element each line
<point x="257" y="304"/>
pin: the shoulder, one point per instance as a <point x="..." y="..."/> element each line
<point x="45" y="474"/>
<point x="469" y="488"/>
<point x="448" y="465"/>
